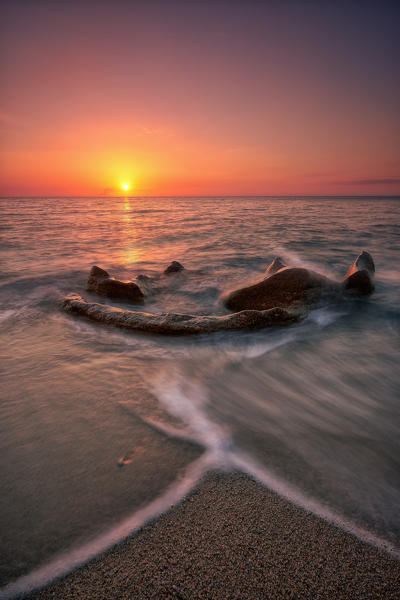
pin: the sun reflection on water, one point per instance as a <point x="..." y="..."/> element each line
<point x="129" y="254"/>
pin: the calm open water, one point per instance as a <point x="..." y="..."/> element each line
<point x="312" y="410"/>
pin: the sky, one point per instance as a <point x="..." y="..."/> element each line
<point x="199" y="98"/>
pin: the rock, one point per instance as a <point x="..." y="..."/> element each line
<point x="359" y="283"/>
<point x="363" y="262"/>
<point x="101" y="283"/>
<point x="275" y="266"/>
<point x="126" y="459"/>
<point x="147" y="284"/>
<point x="96" y="272"/>
<point x="358" y="279"/>
<point x="289" y="287"/>
<point x="298" y="287"/>
<point x="144" y="278"/>
<point x="173" y="323"/>
<point x="174" y="267"/>
<point x="279" y="299"/>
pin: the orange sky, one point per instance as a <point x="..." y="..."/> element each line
<point x="198" y="99"/>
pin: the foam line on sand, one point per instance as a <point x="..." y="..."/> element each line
<point x="234" y="539"/>
<point x="72" y="559"/>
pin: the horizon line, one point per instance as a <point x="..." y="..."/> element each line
<point x="205" y="196"/>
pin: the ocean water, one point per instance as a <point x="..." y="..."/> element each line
<point x="311" y="410"/>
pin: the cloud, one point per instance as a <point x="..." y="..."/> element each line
<point x="369" y="181"/>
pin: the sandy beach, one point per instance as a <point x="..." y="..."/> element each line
<point x="232" y="538"/>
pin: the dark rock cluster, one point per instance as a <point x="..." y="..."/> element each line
<point x="101" y="283"/>
<point x="282" y="297"/>
<point x="174" y="267"/>
<point x="294" y="287"/>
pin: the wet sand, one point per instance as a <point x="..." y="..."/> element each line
<point x="233" y="539"/>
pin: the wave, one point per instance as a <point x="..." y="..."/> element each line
<point x="388" y="275"/>
<point x="187" y="399"/>
<point x="67" y="561"/>
<point x="294" y="259"/>
<point x="20" y="284"/>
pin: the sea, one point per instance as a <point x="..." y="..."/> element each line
<point x="102" y="430"/>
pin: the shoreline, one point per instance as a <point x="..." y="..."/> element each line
<point x="233" y="538"/>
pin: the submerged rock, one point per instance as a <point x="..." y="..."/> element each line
<point x="144" y="278"/>
<point x="147" y="284"/>
<point x="101" y="283"/>
<point x="174" y="267"/>
<point x="298" y="287"/>
<point x="173" y="323"/>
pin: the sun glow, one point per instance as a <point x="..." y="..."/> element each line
<point x="125" y="187"/>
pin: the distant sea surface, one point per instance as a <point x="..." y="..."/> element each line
<point x="312" y="410"/>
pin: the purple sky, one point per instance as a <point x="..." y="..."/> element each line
<point x="200" y="97"/>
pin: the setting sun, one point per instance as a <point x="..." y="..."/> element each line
<point x="125" y="187"/>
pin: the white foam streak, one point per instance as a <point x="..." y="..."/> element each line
<point x="169" y="431"/>
<point x="325" y="316"/>
<point x="6" y="314"/>
<point x="68" y="561"/>
<point x="293" y="259"/>
<point x="259" y="348"/>
<point x="187" y="404"/>
<point x="243" y="462"/>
